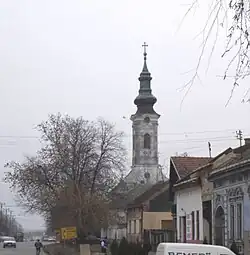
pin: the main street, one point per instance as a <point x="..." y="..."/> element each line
<point x="25" y="248"/>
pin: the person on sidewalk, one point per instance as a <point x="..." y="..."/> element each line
<point x="38" y="246"/>
<point x="104" y="246"/>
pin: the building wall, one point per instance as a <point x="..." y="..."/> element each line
<point x="145" y="159"/>
<point x="188" y="201"/>
<point x="114" y="232"/>
<point x="141" y="155"/>
<point x="138" y="221"/>
<point x="173" y="178"/>
<point x="206" y="232"/>
<point x="230" y="192"/>
<point x="117" y="228"/>
<point x="156" y="204"/>
<point x="206" y="186"/>
<point x="134" y="219"/>
<point x="153" y="220"/>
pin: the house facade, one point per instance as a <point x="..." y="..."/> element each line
<point x="194" y="200"/>
<point x="122" y="195"/>
<point x="149" y="218"/>
<point x="231" y="201"/>
<point x="193" y="206"/>
<point x="181" y="168"/>
<point x="117" y="227"/>
<point x="189" y="214"/>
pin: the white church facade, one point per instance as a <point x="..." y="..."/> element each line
<point x="145" y="161"/>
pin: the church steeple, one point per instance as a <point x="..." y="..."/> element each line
<point x="145" y="159"/>
<point x="145" y="100"/>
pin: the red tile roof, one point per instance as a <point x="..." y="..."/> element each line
<point x="185" y="165"/>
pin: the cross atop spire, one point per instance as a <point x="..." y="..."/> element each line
<point x="145" y="49"/>
<point x="145" y="68"/>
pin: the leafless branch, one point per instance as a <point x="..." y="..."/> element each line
<point x="79" y="164"/>
<point x="237" y="39"/>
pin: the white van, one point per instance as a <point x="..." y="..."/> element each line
<point x="191" y="249"/>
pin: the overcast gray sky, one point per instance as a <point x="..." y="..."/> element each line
<point x="83" y="57"/>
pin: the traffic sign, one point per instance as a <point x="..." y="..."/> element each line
<point x="68" y="233"/>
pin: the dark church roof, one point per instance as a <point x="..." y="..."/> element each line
<point x="145" y="100"/>
<point x="121" y="198"/>
<point x="154" y="189"/>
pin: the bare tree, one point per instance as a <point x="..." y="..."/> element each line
<point x="81" y="158"/>
<point x="87" y="210"/>
<point x="234" y="17"/>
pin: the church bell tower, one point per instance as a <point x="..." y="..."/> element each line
<point x="145" y="165"/>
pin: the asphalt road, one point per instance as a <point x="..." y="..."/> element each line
<point x="25" y="248"/>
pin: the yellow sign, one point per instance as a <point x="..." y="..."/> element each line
<point x="68" y="233"/>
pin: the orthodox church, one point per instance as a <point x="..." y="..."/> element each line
<point x="145" y="160"/>
<point x="145" y="171"/>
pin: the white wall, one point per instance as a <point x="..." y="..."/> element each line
<point x="188" y="200"/>
<point x="114" y="232"/>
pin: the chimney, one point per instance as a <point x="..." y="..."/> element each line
<point x="247" y="141"/>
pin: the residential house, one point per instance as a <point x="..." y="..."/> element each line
<point x="149" y="217"/>
<point x="121" y="196"/>
<point x="193" y="195"/>
<point x="180" y="167"/>
<point x="231" y="200"/>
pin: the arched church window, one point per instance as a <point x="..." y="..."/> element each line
<point x="147" y="141"/>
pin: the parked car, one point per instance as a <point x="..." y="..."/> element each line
<point x="9" y="242"/>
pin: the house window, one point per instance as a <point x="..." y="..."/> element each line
<point x="135" y="226"/>
<point x="184" y="229"/>
<point x="193" y="226"/>
<point x="232" y="220"/>
<point x="218" y="183"/>
<point x="129" y="227"/>
<point x="197" y="225"/>
<point x="232" y="179"/>
<point x="147" y="141"/>
<point x="140" y="226"/>
<point x="180" y="228"/>
<point x="239" y="221"/>
<point x="240" y="177"/>
<point x="245" y="175"/>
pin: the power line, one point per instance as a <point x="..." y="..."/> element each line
<point x="171" y="141"/>
<point x="201" y="132"/>
<point x="160" y="134"/>
<point x="202" y="139"/>
<point x="19" y="137"/>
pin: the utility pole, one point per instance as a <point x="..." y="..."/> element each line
<point x="209" y="150"/>
<point x="1" y="217"/>
<point x="239" y="136"/>
<point x="10" y="223"/>
<point x="1" y="212"/>
<point x="6" y="220"/>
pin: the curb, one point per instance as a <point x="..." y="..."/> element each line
<point x="45" y="252"/>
